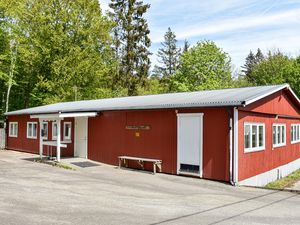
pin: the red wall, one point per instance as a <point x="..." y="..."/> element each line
<point x="109" y="139"/>
<point x="264" y="111"/>
<point x="22" y="143"/>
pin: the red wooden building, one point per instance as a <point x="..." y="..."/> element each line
<point x="246" y="136"/>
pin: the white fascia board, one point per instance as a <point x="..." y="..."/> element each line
<point x="62" y="115"/>
<point x="83" y="114"/>
<point x="45" y="116"/>
<point x="293" y="93"/>
<point x="249" y="101"/>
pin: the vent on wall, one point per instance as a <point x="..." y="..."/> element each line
<point x="189" y="168"/>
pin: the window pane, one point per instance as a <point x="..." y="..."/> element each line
<point x="294" y="133"/>
<point x="30" y="130"/>
<point x="45" y="130"/>
<point x="274" y="135"/>
<point x="34" y="129"/>
<point x="297" y="133"/>
<point x="282" y="134"/>
<point x="261" y="136"/>
<point x="10" y="129"/>
<point x="278" y="135"/>
<point x="247" y="136"/>
<point x="67" y="131"/>
<point x="54" y="130"/>
<point x="254" y="136"/>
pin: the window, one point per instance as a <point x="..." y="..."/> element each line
<point x="279" y="135"/>
<point x="254" y="137"/>
<point x="295" y="134"/>
<point x="45" y="130"/>
<point x="31" y="129"/>
<point x="67" y="130"/>
<point x="13" y="129"/>
<point x="54" y="130"/>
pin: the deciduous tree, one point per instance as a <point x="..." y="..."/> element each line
<point x="204" y="66"/>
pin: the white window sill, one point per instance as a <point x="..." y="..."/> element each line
<point x="295" y="142"/>
<point x="32" y="137"/>
<point x="62" y="141"/>
<point x="13" y="136"/>
<point x="278" y="146"/>
<point x="250" y="150"/>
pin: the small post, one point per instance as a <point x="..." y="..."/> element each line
<point x="154" y="168"/>
<point x="58" y="141"/>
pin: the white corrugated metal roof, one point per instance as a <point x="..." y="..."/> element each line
<point x="211" y="98"/>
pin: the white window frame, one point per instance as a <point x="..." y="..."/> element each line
<point x="32" y="126"/>
<point x="297" y="140"/>
<point x="45" y="137"/>
<point x="68" y="138"/>
<point x="258" y="148"/>
<point x="276" y="136"/>
<point x="13" y="129"/>
<point x="54" y="137"/>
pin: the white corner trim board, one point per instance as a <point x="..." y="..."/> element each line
<point x="235" y="146"/>
<point x="271" y="175"/>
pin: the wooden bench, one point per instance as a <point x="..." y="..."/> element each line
<point x="156" y="162"/>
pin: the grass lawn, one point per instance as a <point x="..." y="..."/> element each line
<point x="285" y="182"/>
<point x="55" y="164"/>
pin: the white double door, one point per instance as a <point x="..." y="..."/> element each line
<point x="190" y="143"/>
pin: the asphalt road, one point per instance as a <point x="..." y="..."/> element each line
<point x="33" y="193"/>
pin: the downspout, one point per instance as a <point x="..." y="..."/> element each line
<point x="230" y="146"/>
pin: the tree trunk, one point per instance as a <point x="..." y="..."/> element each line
<point x="13" y="57"/>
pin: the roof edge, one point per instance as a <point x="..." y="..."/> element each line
<point x="252" y="100"/>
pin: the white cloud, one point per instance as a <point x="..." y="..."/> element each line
<point x="233" y="24"/>
<point x="236" y="25"/>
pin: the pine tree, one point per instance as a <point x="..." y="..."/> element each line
<point x="168" y="55"/>
<point x="251" y="62"/>
<point x="186" y="46"/>
<point x="131" y="42"/>
<point x="259" y="57"/>
<point x="248" y="66"/>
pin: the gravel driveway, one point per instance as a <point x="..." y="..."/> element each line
<point x="33" y="193"/>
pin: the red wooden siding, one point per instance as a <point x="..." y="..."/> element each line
<point x="108" y="138"/>
<point x="22" y="143"/>
<point x="279" y="103"/>
<point x="254" y="163"/>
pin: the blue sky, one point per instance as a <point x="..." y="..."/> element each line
<point x="237" y="26"/>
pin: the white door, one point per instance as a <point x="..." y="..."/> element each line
<point x="81" y="135"/>
<point x="189" y="143"/>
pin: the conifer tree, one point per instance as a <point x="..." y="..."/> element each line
<point x="251" y="62"/>
<point x="248" y="66"/>
<point x="131" y="42"/>
<point x="168" y="55"/>
<point x="186" y="46"/>
<point x="259" y="57"/>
